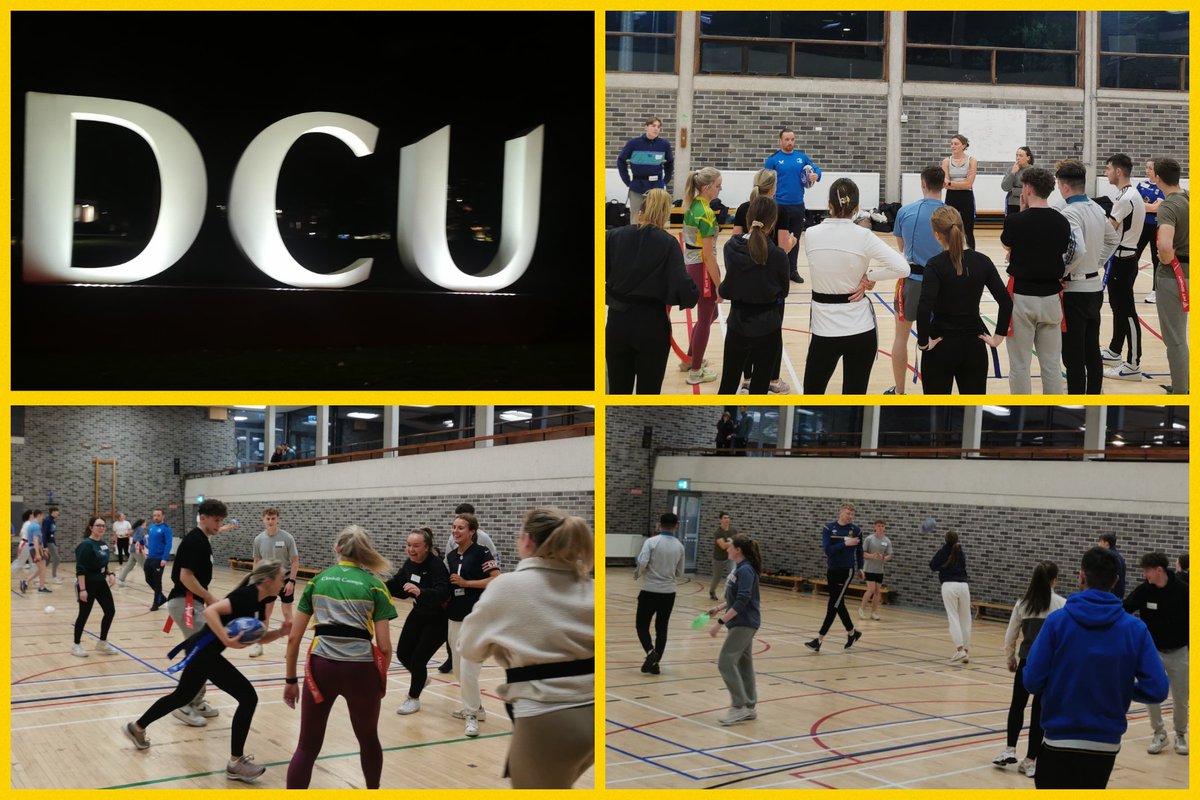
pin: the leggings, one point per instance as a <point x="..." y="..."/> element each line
<point x="358" y="682"/>
<point x="1063" y="768"/>
<point x="420" y="638"/>
<point x="857" y="354"/>
<point x="963" y="201"/>
<point x="551" y="751"/>
<point x="659" y="606"/>
<point x="1016" y="714"/>
<point x="756" y="355"/>
<point x="122" y="549"/>
<point x="153" y="570"/>
<point x="839" y="581"/>
<point x="211" y="665"/>
<point x="706" y="312"/>
<point x="637" y="345"/>
<point x="97" y="593"/>
<point x="955" y="359"/>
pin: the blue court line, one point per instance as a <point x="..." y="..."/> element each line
<point x="135" y="658"/>
<point x="657" y="765"/>
<point x="56" y="680"/>
<point x="685" y="749"/>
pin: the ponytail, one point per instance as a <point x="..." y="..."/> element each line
<point x="955" y="549"/>
<point x="947" y="222"/>
<point x="843" y="198"/>
<point x="764" y="184"/>
<point x="697" y="180"/>
<point x="560" y="537"/>
<point x="749" y="549"/>
<point x="1037" y="596"/>
<point x="761" y="218"/>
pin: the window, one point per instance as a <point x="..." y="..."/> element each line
<point x="355" y="429"/>
<point x="296" y="427"/>
<point x="1144" y="50"/>
<point x="1146" y="428"/>
<point x="1039" y="48"/>
<point x="424" y="424"/>
<point x="810" y="44"/>
<point x="249" y="427"/>
<point x="1033" y="426"/>
<point x="640" y="41"/>
<point x="920" y="428"/>
<point x="822" y="427"/>
<point x="510" y="419"/>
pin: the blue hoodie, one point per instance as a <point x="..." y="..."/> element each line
<point x="1090" y="660"/>
<point x="838" y="556"/>
<point x="741" y="595"/>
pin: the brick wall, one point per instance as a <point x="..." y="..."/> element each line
<point x="1141" y="131"/>
<point x="625" y="112"/>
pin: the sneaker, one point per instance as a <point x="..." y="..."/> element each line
<point x="751" y="712"/>
<point x="255" y="650"/>
<point x="686" y="366"/>
<point x="1123" y="372"/>
<point x="463" y="713"/>
<point x="704" y="375"/>
<point x="851" y="639"/>
<point x="655" y="669"/>
<point x="104" y="648"/>
<point x="890" y="390"/>
<point x="58" y="580"/>
<point x="959" y="655"/>
<point x="139" y="739"/>
<point x="1151" y="298"/>
<point x="1028" y="768"/>
<point x="188" y="717"/>
<point x="875" y="616"/>
<point x="1158" y="743"/>
<point x="244" y="769"/>
<point x="735" y="715"/>
<point x="651" y="661"/>
<point x="795" y="276"/>
<point x="862" y="613"/>
<point x="44" y="590"/>
<point x="1181" y="744"/>
<point x="411" y="705"/>
<point x="814" y="645"/>
<point x="1008" y="756"/>
<point x="1109" y="357"/>
<point x="744" y="389"/>
<point x="446" y="667"/>
<point x="24" y="585"/>
<point x="779" y="387"/>
<point x="712" y="596"/>
<point x="78" y="650"/>
<point x="471" y="726"/>
<point x="205" y="710"/>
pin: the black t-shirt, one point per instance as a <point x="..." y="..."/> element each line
<point x="243" y="602"/>
<point x="782" y="219"/>
<point x="432" y="578"/>
<point x="950" y="302"/>
<point x="1039" y="238"/>
<point x="473" y="565"/>
<point x="644" y="266"/>
<point x="194" y="553"/>
<point x="1165" y="611"/>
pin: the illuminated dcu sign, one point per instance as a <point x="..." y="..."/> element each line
<point x="421" y="221"/>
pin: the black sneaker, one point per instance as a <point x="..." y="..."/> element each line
<point x="654" y="670"/>
<point x="815" y="645"/>
<point x="712" y="596"/>
<point x="795" y="276"/>
<point x="852" y="638"/>
<point x="651" y="663"/>
<point x="446" y="667"/>
<point x="24" y="585"/>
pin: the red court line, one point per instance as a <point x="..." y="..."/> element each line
<point x="1142" y="320"/>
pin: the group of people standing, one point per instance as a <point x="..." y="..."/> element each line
<point x="1058" y="266"/>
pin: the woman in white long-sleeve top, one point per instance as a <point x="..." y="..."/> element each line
<point x="843" y="321"/>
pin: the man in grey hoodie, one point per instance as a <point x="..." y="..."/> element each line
<point x="661" y="562"/>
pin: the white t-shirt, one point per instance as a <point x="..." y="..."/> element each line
<point x="1130" y="210"/>
<point x="122" y="529"/>
<point x="839" y="254"/>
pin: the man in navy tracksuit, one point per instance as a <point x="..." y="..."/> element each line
<point x="842" y="541"/>
<point x="1109" y="542"/>
<point x="650" y="158"/>
<point x="1087" y="663"/>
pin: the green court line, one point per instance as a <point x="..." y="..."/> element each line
<point x="319" y="758"/>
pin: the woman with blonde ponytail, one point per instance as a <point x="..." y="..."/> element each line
<point x="537" y="623"/>
<point x="700" y="258"/>
<point x="756" y="281"/>
<point x="949" y="328"/>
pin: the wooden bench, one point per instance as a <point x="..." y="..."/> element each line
<point x="886" y="595"/>
<point x="980" y="608"/>
<point x="244" y="563"/>
<point x="782" y="581"/>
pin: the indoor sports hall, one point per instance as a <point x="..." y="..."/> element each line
<point x="900" y="706"/>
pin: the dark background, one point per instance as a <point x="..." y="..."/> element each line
<point x="213" y="319"/>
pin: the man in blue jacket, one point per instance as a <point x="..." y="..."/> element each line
<point x="842" y="542"/>
<point x="158" y="552"/>
<point x="1089" y="661"/>
<point x="649" y="157"/>
<point x="795" y="172"/>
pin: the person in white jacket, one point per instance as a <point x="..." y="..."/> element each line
<point x="843" y="326"/>
<point x="538" y="623"/>
<point x="1030" y="612"/>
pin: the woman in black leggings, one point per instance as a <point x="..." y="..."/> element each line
<point x="424" y="579"/>
<point x="205" y="662"/>
<point x="93" y="582"/>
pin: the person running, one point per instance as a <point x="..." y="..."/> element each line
<point x="1011" y="182"/>
<point x="481" y="538"/>
<point x="741" y="616"/>
<point x="93" y="583"/>
<point x="877" y="551"/>
<point x="29" y="551"/>
<point x="960" y="184"/>
<point x="1152" y="196"/>
<point x="645" y="163"/>
<point x="700" y="259"/>
<point x="158" y="552"/>
<point x="1026" y="620"/>
<point x="950" y="563"/>
<point x="843" y="319"/>
<point x="796" y="172"/>
<point x="205" y="662"/>
<point x="424" y="579"/>
<point x="537" y="623"/>
<point x="37" y="551"/>
<point x="276" y="544"/>
<point x="349" y="605"/>
<point x="842" y="543"/>
<point x="472" y="567"/>
<point x="137" y="551"/>
<point x="121" y="530"/>
<point x="950" y="330"/>
<point x="721" y="565"/>
<point x="1128" y="219"/>
<point x="661" y="561"/>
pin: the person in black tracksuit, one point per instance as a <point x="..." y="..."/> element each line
<point x="643" y="272"/>
<point x="949" y="328"/>
<point x="424" y="579"/>
<point x="842" y="542"/>
<point x="756" y="282"/>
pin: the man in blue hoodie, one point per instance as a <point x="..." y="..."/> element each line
<point x="1089" y="661"/>
<point x="842" y="542"/>
<point x="795" y="172"/>
<point x="649" y="158"/>
<point x="158" y="553"/>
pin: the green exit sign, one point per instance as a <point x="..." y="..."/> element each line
<point x="684" y="483"/>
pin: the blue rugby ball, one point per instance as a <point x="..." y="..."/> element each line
<point x="251" y="629"/>
<point x="929" y="526"/>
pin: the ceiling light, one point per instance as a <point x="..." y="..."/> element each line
<point x="362" y="415"/>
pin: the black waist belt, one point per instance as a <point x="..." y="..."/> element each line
<point x="559" y="669"/>
<point x="822" y="297"/>
<point x="916" y="269"/>
<point x="694" y="247"/>
<point x="1084" y="277"/>
<point x="345" y="631"/>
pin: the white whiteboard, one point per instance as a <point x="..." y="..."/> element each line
<point x="994" y="133"/>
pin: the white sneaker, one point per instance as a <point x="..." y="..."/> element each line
<point x="1123" y="372"/>
<point x="704" y="375"/>
<point x="735" y="715"/>
<point x="186" y="716"/>
<point x="471" y="728"/>
<point x="411" y="705"/>
<point x="1151" y="298"/>
<point x="959" y="655"/>
<point x="1158" y="743"/>
<point x="751" y="713"/>
<point x="244" y="769"/>
<point x="78" y="650"/>
<point x="1006" y="757"/>
<point x="58" y="580"/>
<point x="104" y="648"/>
<point x="875" y="616"/>
<point x="1109" y="357"/>
<point x="205" y="710"/>
<point x="1181" y="744"/>
<point x="462" y="713"/>
<point x="862" y="613"/>
<point x="255" y="650"/>
<point x="779" y="387"/>
<point x="1028" y="768"/>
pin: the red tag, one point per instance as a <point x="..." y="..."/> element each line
<point x="1177" y="268"/>
<point x="900" y="299"/>
<point x="1011" y="281"/>
<point x="707" y="289"/>
<point x="189" y="613"/>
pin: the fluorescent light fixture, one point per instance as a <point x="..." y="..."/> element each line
<point x="362" y="415"/>
<point x="998" y="411"/>
<point x="447" y="423"/>
<point x="1074" y="408"/>
<point x="515" y="416"/>
<point x="254" y="408"/>
<point x="240" y="419"/>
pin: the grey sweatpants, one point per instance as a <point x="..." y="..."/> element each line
<point x="176" y="607"/>
<point x="1036" y="323"/>
<point x="1175" y="663"/>
<point x="551" y="751"/>
<point x="1173" y="320"/>
<point x="721" y="570"/>
<point x="737" y="666"/>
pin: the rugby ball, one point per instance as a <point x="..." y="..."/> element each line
<point x="251" y="629"/>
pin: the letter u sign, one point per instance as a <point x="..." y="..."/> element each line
<point x="421" y="223"/>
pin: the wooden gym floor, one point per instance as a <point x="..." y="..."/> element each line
<point x="67" y="712"/>
<point x="892" y="712"/>
<point x="796" y="334"/>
